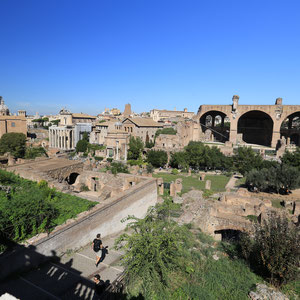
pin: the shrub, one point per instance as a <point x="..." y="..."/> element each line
<point x="33" y="152"/>
<point x="117" y="167"/>
<point x="150" y="168"/>
<point x="84" y="188"/>
<point x="274" y="250"/>
<point x="98" y="158"/>
<point x="174" y="172"/>
<point x="133" y="162"/>
<point x="109" y="159"/>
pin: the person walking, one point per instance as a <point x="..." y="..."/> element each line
<point x="97" y="244"/>
<point x="99" y="285"/>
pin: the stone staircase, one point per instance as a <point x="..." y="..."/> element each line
<point x="70" y="277"/>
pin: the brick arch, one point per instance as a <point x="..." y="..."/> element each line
<point x="256" y="127"/>
<point x="219" y="131"/>
<point x="289" y="130"/>
<point x="229" y="227"/>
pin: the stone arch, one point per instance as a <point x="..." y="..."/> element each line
<point x="217" y="124"/>
<point x="256" y="127"/>
<point x="71" y="179"/>
<point x="228" y="234"/>
<point x="290" y="128"/>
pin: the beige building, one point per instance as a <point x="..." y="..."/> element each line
<point x="141" y="127"/>
<point x="11" y="123"/>
<point x="101" y="130"/>
<point x="165" y="115"/>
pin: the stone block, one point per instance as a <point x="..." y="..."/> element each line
<point x="207" y="184"/>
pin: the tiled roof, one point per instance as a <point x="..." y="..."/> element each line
<point x="143" y="122"/>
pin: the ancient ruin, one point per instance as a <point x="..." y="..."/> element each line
<point x="251" y="124"/>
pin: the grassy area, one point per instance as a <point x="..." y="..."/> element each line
<point x="240" y="182"/>
<point x="276" y="203"/>
<point x="218" y="182"/>
<point x="28" y="207"/>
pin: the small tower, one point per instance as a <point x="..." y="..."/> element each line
<point x="4" y="111"/>
<point x="127" y="111"/>
<point x="235" y="102"/>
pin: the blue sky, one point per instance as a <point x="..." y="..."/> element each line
<point x="88" y="55"/>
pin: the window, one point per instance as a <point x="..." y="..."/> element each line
<point x="13" y="124"/>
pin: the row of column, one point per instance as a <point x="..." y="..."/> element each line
<point x="61" y="138"/>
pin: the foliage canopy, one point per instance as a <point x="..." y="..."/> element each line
<point x="13" y="143"/>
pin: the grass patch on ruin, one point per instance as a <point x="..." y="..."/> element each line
<point x="276" y="203"/>
<point x="28" y="208"/>
<point x="218" y="182"/>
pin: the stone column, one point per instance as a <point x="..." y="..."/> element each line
<point x="117" y="150"/>
<point x="54" y="137"/>
<point x="125" y="155"/>
<point x="213" y="121"/>
<point x="233" y="130"/>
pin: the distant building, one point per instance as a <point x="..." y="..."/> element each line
<point x="11" y="123"/>
<point x="141" y="127"/>
<point x="127" y="111"/>
<point x="70" y="130"/>
<point x="165" y="115"/>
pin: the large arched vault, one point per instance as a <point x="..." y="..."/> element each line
<point x="256" y="127"/>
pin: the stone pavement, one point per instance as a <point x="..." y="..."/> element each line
<point x="69" y="277"/>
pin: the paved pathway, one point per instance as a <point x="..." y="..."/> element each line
<point x="70" y="277"/>
<point x="231" y="183"/>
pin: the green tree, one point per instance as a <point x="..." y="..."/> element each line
<point x="136" y="147"/>
<point x="246" y="159"/>
<point x="273" y="251"/>
<point x="153" y="248"/>
<point x="178" y="160"/>
<point x="292" y="158"/>
<point x="149" y="144"/>
<point x="82" y="145"/>
<point x="14" y="143"/>
<point x="157" y="158"/>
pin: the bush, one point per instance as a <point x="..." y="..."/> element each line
<point x="175" y="172"/>
<point x="137" y="162"/>
<point x="98" y="158"/>
<point x="84" y="188"/>
<point x="274" y="250"/>
<point x="117" y="167"/>
<point x="33" y="152"/>
<point x="109" y="159"/>
<point x="150" y="169"/>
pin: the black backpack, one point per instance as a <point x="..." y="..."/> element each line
<point x="97" y="244"/>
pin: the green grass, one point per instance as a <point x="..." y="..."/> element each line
<point x="276" y="203"/>
<point x="240" y="182"/>
<point x="218" y="182"/>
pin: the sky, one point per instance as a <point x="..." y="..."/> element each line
<point x="164" y="54"/>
